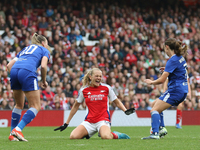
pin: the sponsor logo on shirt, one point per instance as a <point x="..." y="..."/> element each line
<point x="185" y="83"/>
<point x="88" y="93"/>
<point x="102" y="91"/>
<point x="96" y="97"/>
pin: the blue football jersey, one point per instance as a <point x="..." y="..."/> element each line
<point x="30" y="57"/>
<point x="176" y="67"/>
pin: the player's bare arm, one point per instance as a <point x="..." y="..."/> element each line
<point x="160" y="80"/>
<point x="73" y="111"/>
<point x="44" y="71"/>
<point x="10" y="64"/>
<point x="189" y="95"/>
<point x="119" y="104"/>
<point x="71" y="114"/>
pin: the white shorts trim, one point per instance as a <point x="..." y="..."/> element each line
<point x="35" y="85"/>
<point x="166" y="97"/>
<point x="93" y="128"/>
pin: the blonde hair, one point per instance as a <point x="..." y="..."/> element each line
<point x="38" y="39"/>
<point x="86" y="78"/>
<point x="178" y="47"/>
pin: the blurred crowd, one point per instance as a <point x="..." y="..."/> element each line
<point x="128" y="47"/>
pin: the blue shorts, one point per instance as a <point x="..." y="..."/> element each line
<point x="23" y="79"/>
<point x="173" y="99"/>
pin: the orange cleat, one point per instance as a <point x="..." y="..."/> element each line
<point x="12" y="138"/>
<point x="18" y="135"/>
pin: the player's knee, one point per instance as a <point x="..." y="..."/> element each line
<point x="73" y="136"/>
<point x="180" y="106"/>
<point x="106" y="136"/>
<point x="36" y="106"/>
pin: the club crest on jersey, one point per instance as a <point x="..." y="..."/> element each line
<point x="102" y="91"/>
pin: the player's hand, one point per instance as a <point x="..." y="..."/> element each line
<point x="44" y="85"/>
<point x="129" y="111"/>
<point x="61" y="128"/>
<point x="148" y="81"/>
<point x="162" y="69"/>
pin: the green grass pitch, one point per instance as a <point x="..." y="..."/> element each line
<point x="44" y="138"/>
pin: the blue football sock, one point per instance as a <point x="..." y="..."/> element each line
<point x="16" y="114"/>
<point x="155" y="121"/>
<point x="162" y="120"/>
<point x="28" y="117"/>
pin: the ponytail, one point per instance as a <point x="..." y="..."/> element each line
<point x="38" y="39"/>
<point x="178" y="47"/>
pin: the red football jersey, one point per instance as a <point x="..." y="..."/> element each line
<point x="97" y="102"/>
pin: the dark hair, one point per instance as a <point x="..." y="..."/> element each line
<point x="178" y="47"/>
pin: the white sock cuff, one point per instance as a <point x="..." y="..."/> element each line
<point x="17" y="111"/>
<point x="154" y="112"/>
<point x="33" y="110"/>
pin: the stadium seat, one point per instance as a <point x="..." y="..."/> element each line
<point x="89" y="48"/>
<point x="42" y="30"/>
<point x="39" y="11"/>
<point x="19" y="15"/>
<point x="76" y="13"/>
<point x="81" y="19"/>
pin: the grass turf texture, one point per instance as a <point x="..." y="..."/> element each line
<point x="44" y="138"/>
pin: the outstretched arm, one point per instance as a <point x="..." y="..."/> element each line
<point x="73" y="111"/>
<point x="71" y="114"/>
<point x="119" y="104"/>
<point x="159" y="80"/>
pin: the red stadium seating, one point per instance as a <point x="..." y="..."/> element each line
<point x="76" y="13"/>
<point x="42" y="30"/>
<point x="89" y="48"/>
